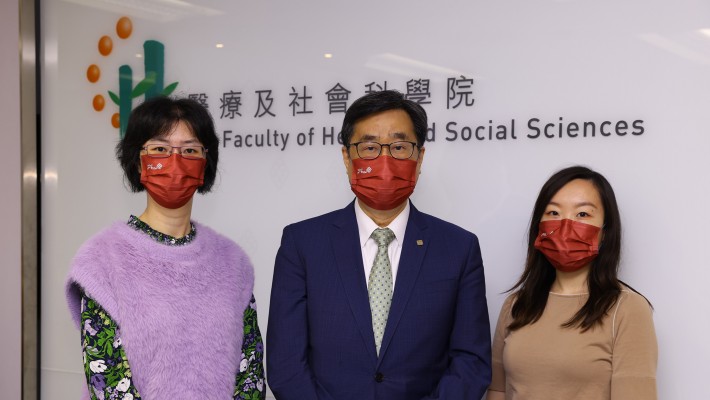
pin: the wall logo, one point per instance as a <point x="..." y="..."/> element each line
<point x="151" y="85"/>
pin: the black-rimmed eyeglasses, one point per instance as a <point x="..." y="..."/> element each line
<point x="370" y="150"/>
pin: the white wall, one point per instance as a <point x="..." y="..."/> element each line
<point x="10" y="197"/>
<point x="645" y="60"/>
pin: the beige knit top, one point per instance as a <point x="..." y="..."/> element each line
<point x="543" y="361"/>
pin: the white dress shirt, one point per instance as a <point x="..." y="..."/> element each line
<point x="366" y="226"/>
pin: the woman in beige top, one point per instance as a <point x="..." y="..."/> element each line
<point x="572" y="330"/>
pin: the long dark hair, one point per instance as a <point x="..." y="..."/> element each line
<point x="604" y="287"/>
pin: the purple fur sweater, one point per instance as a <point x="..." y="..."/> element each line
<point x="180" y="308"/>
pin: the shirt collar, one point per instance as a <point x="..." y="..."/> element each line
<point x="366" y="225"/>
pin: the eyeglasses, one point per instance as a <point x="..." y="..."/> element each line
<point x="164" y="151"/>
<point x="372" y="150"/>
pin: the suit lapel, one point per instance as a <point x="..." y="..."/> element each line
<point x="414" y="248"/>
<point x="345" y="240"/>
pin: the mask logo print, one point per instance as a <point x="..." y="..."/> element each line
<point x="383" y="183"/>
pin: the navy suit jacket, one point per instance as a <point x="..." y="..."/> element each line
<point x="320" y="343"/>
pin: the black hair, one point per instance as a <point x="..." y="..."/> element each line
<point x="156" y="117"/>
<point x="375" y="102"/>
<point x="603" y="284"/>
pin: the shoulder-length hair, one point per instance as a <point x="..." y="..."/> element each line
<point x="604" y="287"/>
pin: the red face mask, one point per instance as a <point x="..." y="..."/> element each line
<point x="171" y="181"/>
<point x="383" y="183"/>
<point x="568" y="245"/>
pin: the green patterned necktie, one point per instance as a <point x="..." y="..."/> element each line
<point x="379" y="288"/>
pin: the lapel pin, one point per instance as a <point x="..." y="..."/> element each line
<point x="420" y="242"/>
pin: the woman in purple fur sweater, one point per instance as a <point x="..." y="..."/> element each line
<point x="164" y="304"/>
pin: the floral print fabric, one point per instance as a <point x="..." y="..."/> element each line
<point x="108" y="372"/>
<point x="250" y="378"/>
<point x="105" y="363"/>
<point x="106" y="366"/>
<point x="136" y="223"/>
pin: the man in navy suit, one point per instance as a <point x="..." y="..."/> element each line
<point x="379" y="300"/>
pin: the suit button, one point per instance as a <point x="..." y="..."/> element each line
<point x="379" y="377"/>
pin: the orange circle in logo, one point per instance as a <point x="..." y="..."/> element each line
<point x="116" y="120"/>
<point x="124" y="27"/>
<point x="105" y="45"/>
<point x="93" y="73"/>
<point x="99" y="102"/>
